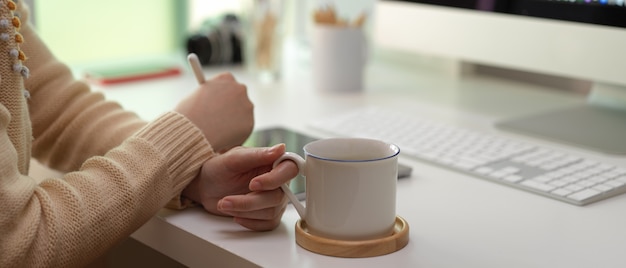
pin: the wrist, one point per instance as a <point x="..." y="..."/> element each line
<point x="192" y="190"/>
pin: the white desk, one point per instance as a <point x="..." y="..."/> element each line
<point x="456" y="220"/>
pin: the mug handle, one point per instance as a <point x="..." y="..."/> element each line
<point x="285" y="187"/>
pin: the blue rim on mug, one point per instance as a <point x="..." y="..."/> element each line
<point x="394" y="149"/>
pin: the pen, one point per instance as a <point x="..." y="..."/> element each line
<point x="195" y="66"/>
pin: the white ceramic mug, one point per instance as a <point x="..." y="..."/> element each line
<point x="339" y="55"/>
<point x="350" y="187"/>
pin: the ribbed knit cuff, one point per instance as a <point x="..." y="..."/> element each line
<point x="182" y="145"/>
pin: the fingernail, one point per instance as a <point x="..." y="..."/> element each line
<point x="225" y="205"/>
<point x="255" y="186"/>
<point x="277" y="147"/>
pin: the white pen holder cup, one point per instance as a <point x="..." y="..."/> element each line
<point x="350" y="188"/>
<point x="338" y="55"/>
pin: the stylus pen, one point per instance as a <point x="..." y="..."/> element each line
<point x="196" y="67"/>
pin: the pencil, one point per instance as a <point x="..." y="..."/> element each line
<point x="196" y="67"/>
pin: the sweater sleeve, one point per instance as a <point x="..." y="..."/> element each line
<point x="119" y="170"/>
<point x="69" y="221"/>
<point x="70" y="122"/>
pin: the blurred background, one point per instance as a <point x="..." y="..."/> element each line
<point x="96" y="31"/>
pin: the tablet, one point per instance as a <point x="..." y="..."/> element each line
<point x="295" y="142"/>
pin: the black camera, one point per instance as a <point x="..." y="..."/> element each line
<point x="221" y="43"/>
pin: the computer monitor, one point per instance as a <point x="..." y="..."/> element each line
<point x="574" y="39"/>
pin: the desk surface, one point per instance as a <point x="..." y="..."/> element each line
<point x="456" y="220"/>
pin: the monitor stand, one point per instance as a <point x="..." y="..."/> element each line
<point x="600" y="125"/>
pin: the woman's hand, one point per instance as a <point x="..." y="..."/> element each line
<point x="241" y="183"/>
<point x="222" y="110"/>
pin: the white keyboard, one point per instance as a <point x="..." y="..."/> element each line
<point x="552" y="173"/>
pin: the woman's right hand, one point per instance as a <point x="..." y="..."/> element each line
<point x="222" y="110"/>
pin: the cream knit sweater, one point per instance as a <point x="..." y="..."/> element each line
<point x="119" y="171"/>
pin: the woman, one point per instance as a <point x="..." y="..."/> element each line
<point x="118" y="170"/>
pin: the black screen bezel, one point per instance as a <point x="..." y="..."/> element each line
<point x="608" y="15"/>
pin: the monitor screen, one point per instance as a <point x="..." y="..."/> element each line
<point x="573" y="39"/>
<point x="542" y="36"/>
<point x="602" y="12"/>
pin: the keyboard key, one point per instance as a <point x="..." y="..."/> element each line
<point x="569" y="179"/>
<point x="573" y="188"/>
<point x="585" y="184"/>
<point x="561" y="192"/>
<point x="615" y="183"/>
<point x="498" y="174"/>
<point x="556" y="174"/>
<point x="620" y="171"/>
<point x="558" y="183"/>
<point x="513" y="178"/>
<point x="611" y="174"/>
<point x="484" y="170"/>
<point x="584" y="194"/>
<point x="550" y="166"/>
<point x="606" y="167"/>
<point x="538" y="185"/>
<point x="598" y="179"/>
<point x="510" y="170"/>
<point x="542" y="179"/>
<point x="603" y="187"/>
<point x="465" y="165"/>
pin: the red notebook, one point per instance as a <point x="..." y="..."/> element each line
<point x="124" y="74"/>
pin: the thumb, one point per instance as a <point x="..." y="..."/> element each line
<point x="250" y="158"/>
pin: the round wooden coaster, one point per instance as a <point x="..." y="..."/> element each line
<point x="354" y="249"/>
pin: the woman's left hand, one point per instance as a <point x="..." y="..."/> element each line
<point x="242" y="183"/>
